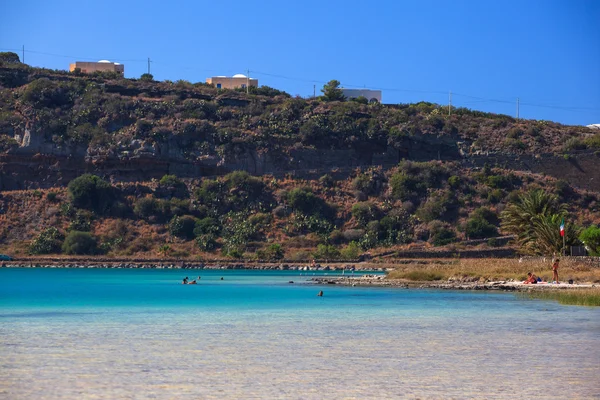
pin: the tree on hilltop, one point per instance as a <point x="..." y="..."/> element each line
<point x="332" y="92"/>
<point x="8" y="57"/>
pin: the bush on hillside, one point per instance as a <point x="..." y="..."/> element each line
<point x="440" y="234"/>
<point x="479" y="228"/>
<point x="351" y="251"/>
<point x="271" y="252"/>
<point x="365" y="212"/>
<point x="80" y="243"/>
<point x="305" y="201"/>
<point x="326" y="252"/>
<point x="47" y="242"/>
<point x="173" y="186"/>
<point x="327" y="181"/>
<point x="91" y="192"/>
<point x="182" y="227"/>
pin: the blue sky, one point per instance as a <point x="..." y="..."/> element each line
<point x="488" y="53"/>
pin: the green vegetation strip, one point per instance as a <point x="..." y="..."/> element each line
<point x="572" y="297"/>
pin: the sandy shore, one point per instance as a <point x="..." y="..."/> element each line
<point x="373" y="280"/>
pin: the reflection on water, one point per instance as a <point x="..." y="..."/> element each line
<point x="352" y="343"/>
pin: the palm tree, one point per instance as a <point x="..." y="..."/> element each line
<point x="547" y="231"/>
<point x="519" y="216"/>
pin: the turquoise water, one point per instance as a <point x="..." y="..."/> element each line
<point x="104" y="333"/>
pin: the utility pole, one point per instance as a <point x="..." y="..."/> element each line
<point x="148" y="65"/>
<point x="449" y="102"/>
<point x="23" y="59"/>
<point x="248" y="81"/>
<point x="314" y="91"/>
<point x="517" y="108"/>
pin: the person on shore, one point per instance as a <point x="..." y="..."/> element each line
<point x="531" y="279"/>
<point x="555" y="271"/>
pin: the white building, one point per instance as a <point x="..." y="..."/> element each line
<point x="594" y="126"/>
<point x="371" y="95"/>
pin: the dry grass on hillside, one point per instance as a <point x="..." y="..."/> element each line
<point x="495" y="269"/>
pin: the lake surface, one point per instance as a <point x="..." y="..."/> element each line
<point x="140" y="333"/>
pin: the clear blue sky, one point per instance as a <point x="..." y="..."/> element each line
<point x="546" y="52"/>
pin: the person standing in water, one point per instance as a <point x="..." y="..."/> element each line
<point x="555" y="271"/>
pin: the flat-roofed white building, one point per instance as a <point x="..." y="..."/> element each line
<point x="369" y="94"/>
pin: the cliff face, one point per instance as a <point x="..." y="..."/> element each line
<point x="55" y="126"/>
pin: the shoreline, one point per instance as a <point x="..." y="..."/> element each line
<point x="507" y="285"/>
<point x="348" y="267"/>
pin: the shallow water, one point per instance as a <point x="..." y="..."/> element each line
<point x="128" y="334"/>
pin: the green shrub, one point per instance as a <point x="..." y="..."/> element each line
<point x="327" y="181"/>
<point x="147" y="77"/>
<point x="174" y="186"/>
<point x="486" y="214"/>
<point x="365" y="212"/>
<point x="303" y="223"/>
<point x="593" y="142"/>
<point x="206" y="242"/>
<point x="574" y="143"/>
<point x="52" y="197"/>
<point x="237" y="232"/>
<point x="48" y="241"/>
<point x="326" y="252"/>
<point x="351" y="252"/>
<point x="8" y="57"/>
<point x="479" y="228"/>
<point x="44" y="92"/>
<point x="440" y="205"/>
<point x="363" y="183"/>
<point x="146" y="207"/>
<point x="405" y="187"/>
<point x="182" y="227"/>
<point x="81" y="222"/>
<point x="92" y="193"/>
<point x="207" y="226"/>
<point x="500" y="181"/>
<point x="272" y="252"/>
<point x="495" y="196"/>
<point x="454" y="182"/>
<point x="396" y="227"/>
<point x="305" y="201"/>
<point x="441" y="234"/>
<point x="590" y="237"/>
<point x="80" y="243"/>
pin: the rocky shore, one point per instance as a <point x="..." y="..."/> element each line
<point x="455" y="284"/>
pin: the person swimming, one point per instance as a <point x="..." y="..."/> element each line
<point x="320" y="294"/>
<point x="185" y="280"/>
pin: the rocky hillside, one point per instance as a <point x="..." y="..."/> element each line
<point x="175" y="169"/>
<point x="55" y="125"/>
<point x="417" y="207"/>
